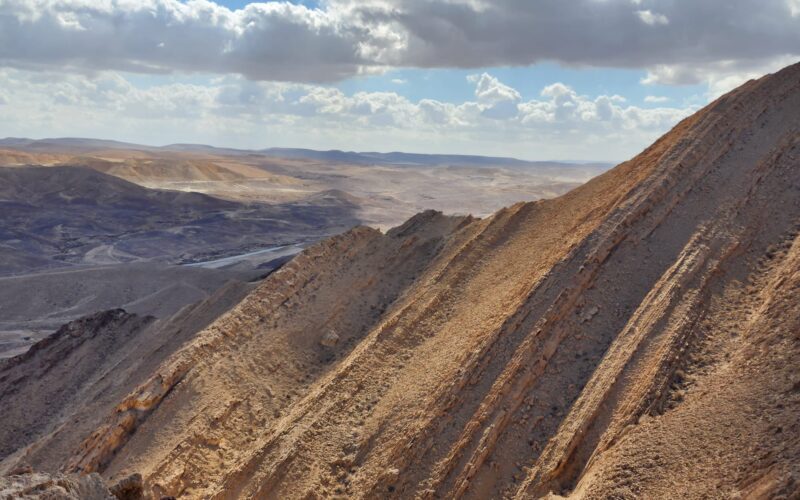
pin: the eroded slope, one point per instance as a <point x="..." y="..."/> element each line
<point x="246" y="369"/>
<point x="59" y="390"/>
<point x="635" y="337"/>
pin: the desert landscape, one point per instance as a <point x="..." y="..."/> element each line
<point x="386" y="188"/>
<point x="92" y="225"/>
<point x="642" y="344"/>
<point x="399" y="249"/>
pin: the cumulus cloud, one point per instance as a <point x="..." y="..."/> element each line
<point x="232" y="110"/>
<point x="267" y="41"/>
<point x="719" y="76"/>
<point x="564" y="109"/>
<point x="287" y="42"/>
<point x="435" y="112"/>
<point x="499" y="101"/>
<point x="656" y="99"/>
<point x="490" y="90"/>
<point x="617" y="33"/>
<point x="652" y="18"/>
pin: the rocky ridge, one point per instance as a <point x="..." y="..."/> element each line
<point x="636" y="337"/>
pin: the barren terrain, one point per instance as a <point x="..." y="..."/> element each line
<point x="633" y="338"/>
<point x="90" y="225"/>
<point x="387" y="188"/>
<point x="63" y="216"/>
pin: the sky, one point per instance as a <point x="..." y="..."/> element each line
<point x="589" y="80"/>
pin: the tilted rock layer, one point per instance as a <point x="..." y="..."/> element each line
<point x="37" y="486"/>
<point x="637" y="337"/>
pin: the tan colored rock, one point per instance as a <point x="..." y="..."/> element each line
<point x="39" y="486"/>
<point x="330" y="339"/>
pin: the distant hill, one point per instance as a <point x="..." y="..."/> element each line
<point x="416" y="159"/>
<point x="55" y="216"/>
<point x="401" y="185"/>
<point x="63" y="187"/>
<point x="73" y="144"/>
<point x="152" y="168"/>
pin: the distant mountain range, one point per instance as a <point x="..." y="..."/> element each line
<point x="399" y="158"/>
<point x="81" y="145"/>
<point x="67" y="143"/>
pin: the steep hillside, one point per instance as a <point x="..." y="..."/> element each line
<point x="636" y="337"/>
<point x="60" y="389"/>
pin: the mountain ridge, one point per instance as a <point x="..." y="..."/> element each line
<point x="635" y="337"/>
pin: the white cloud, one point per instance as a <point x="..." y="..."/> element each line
<point x="343" y="38"/>
<point x="614" y="33"/>
<point x="438" y="113"/>
<point x="499" y="101"/>
<point x="652" y="18"/>
<point x="260" y="41"/>
<point x="237" y="112"/>
<point x="656" y="99"/>
<point x="399" y="81"/>
<point x="673" y="75"/>
<point x="489" y="90"/>
<point x="719" y="77"/>
<point x="564" y="109"/>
